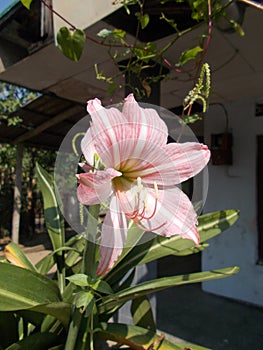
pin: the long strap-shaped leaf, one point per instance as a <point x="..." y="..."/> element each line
<point x="37" y="341"/>
<point x="142" y="315"/>
<point x="210" y="225"/>
<point x="23" y="289"/>
<point x="139" y="338"/>
<point x="54" y="221"/>
<point x="53" y="218"/>
<point x="16" y="256"/>
<point x="162" y="283"/>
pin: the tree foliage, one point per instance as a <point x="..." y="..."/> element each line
<point x="11" y="98"/>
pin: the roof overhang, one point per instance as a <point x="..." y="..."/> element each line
<point x="45" y="122"/>
<point x="236" y="64"/>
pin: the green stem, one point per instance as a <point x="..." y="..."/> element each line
<point x="91" y="331"/>
<point x="73" y="330"/>
<point x="88" y="267"/>
<point x="87" y="339"/>
<point x="61" y="271"/>
<point x="88" y="262"/>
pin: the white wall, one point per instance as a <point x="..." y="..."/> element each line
<point x="81" y="13"/>
<point x="234" y="187"/>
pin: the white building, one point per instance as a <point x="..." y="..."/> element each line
<point x="237" y="75"/>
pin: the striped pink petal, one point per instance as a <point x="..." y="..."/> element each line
<point x="172" y="164"/>
<point x="88" y="148"/>
<point x="113" y="237"/>
<point x="173" y="215"/>
<point x="105" y="127"/>
<point x="95" y="187"/>
<point x="147" y="124"/>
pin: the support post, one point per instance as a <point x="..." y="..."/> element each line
<point x="17" y="195"/>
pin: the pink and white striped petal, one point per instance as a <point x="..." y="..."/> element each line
<point x="88" y="148"/>
<point x="113" y="237"/>
<point x="146" y="122"/>
<point x="172" y="164"/>
<point x="95" y="187"/>
<point x="173" y="215"/>
<point x="105" y="127"/>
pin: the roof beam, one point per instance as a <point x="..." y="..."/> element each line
<point x="47" y="124"/>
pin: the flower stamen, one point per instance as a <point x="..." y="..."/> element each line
<point x="138" y="215"/>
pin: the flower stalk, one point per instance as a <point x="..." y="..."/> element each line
<point x="89" y="255"/>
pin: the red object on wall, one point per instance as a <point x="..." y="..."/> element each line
<point x="221" y="149"/>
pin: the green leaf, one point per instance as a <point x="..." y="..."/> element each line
<point x="85" y="301"/>
<point x="193" y="250"/>
<point x="73" y="256"/>
<point x="116" y="33"/>
<point x="37" y="341"/>
<point x="111" y="88"/>
<point x="23" y="289"/>
<point x="140" y="338"/>
<point x="85" y="281"/>
<point x="59" y="310"/>
<point x="26" y="3"/>
<point x="104" y="33"/>
<point x="126" y="282"/>
<point x="144" y="20"/>
<point x="162" y="283"/>
<point x="16" y="256"/>
<point x="155" y="246"/>
<point x="189" y="55"/>
<point x="53" y="218"/>
<point x="142" y="313"/>
<point x="119" y="33"/>
<point x="71" y="44"/>
<point x="169" y="21"/>
<point x="237" y="28"/>
<point x="80" y="280"/>
<point x="54" y="221"/>
<point x="101" y="287"/>
<point x="212" y="224"/>
<point x="46" y="264"/>
<point x="191" y="119"/>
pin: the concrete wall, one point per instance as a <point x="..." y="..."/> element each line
<point x="235" y="187"/>
<point x="81" y="13"/>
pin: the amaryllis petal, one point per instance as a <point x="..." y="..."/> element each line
<point x="170" y="213"/>
<point x="146" y="122"/>
<point x="141" y="171"/>
<point x="173" y="164"/>
<point x="95" y="187"/>
<point x="98" y="177"/>
<point x="90" y="196"/>
<point x="113" y="237"/>
<point x="189" y="158"/>
<point x="88" y="148"/>
<point x="85" y="167"/>
<point x="104" y="129"/>
<point x="94" y="105"/>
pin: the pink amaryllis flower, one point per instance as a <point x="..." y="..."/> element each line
<point x="136" y="173"/>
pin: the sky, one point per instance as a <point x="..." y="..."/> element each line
<point x="5" y="5"/>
